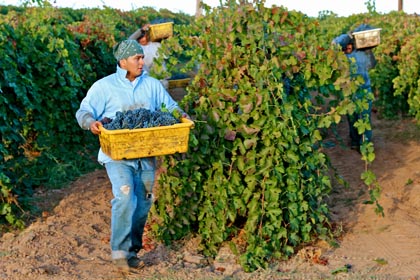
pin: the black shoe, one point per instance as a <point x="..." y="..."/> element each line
<point x="135" y="262"/>
<point x="356" y="148"/>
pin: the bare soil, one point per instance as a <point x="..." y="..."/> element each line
<point x="71" y="238"/>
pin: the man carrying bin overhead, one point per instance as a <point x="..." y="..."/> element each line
<point x="361" y="61"/>
<point x="128" y="88"/>
<point x="150" y="49"/>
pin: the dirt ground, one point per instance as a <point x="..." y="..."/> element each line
<point x="71" y="239"/>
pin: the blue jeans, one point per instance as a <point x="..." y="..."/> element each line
<point x="355" y="138"/>
<point x="132" y="184"/>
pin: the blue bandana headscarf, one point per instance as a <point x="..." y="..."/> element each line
<point x="126" y="49"/>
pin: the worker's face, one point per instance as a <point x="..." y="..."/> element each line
<point x="143" y="40"/>
<point x="349" y="48"/>
<point x="133" y="65"/>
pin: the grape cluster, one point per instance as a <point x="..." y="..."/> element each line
<point x="140" y="118"/>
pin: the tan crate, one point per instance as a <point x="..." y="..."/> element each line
<point x="179" y="83"/>
<point x="146" y="142"/>
<point x="160" y="31"/>
<point x="367" y="38"/>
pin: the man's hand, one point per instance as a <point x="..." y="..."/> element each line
<point x="94" y="127"/>
<point x="186" y="116"/>
<point x="146" y="27"/>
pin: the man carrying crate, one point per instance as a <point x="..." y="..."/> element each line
<point x="150" y="50"/>
<point x="361" y="61"/>
<point x="132" y="180"/>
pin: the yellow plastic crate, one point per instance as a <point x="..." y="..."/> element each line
<point x="161" y="31"/>
<point x="179" y="83"/>
<point x="367" y="38"/>
<point x="146" y="142"/>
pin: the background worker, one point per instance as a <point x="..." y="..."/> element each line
<point x="360" y="64"/>
<point x="361" y="61"/>
<point x="150" y="50"/>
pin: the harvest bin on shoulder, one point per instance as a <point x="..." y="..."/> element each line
<point x="146" y="142"/>
<point x="161" y="31"/>
<point x="367" y="38"/>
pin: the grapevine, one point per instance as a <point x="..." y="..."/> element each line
<point x="254" y="164"/>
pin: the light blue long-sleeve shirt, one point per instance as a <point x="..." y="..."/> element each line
<point x="115" y="93"/>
